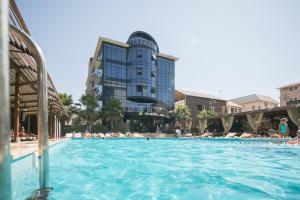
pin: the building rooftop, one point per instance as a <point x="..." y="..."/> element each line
<point x="197" y="94"/>
<point x="232" y="104"/>
<point x="125" y="45"/>
<point x="252" y="98"/>
<point x="288" y="85"/>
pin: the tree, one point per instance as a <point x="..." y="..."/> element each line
<point x="112" y="111"/>
<point x="183" y="115"/>
<point x="203" y="116"/>
<point x="87" y="110"/>
<point x="67" y="102"/>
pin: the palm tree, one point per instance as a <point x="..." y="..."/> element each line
<point x="112" y="111"/>
<point x="88" y="109"/>
<point x="183" y="114"/>
<point x="67" y="102"/>
<point x="203" y="116"/>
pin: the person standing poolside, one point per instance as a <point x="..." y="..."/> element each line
<point x="283" y="127"/>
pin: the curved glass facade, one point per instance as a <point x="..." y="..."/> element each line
<point x="142" y="70"/>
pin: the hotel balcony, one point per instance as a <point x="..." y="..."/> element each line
<point x="147" y="110"/>
<point x="293" y="102"/>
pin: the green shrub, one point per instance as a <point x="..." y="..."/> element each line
<point x="120" y="127"/>
<point x="99" y="128"/>
<point x="71" y="128"/>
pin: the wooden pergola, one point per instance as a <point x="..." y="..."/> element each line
<point x="267" y="114"/>
<point x="23" y="87"/>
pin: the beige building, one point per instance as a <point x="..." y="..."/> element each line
<point x="289" y="94"/>
<point x="232" y="107"/>
<point x="255" y="102"/>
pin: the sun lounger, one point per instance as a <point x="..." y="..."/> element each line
<point x="94" y="135"/>
<point x="69" y="135"/>
<point x="121" y="135"/>
<point x="230" y="135"/>
<point x="77" y="135"/>
<point x="108" y="135"/>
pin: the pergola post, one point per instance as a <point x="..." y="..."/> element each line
<point x="5" y="158"/>
<point x="53" y="125"/>
<point x="57" y="124"/>
<point x="17" y="106"/>
<point x="59" y="128"/>
<point x="50" y="123"/>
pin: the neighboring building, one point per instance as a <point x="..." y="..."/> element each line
<point x="199" y="101"/>
<point x="137" y="74"/>
<point x="232" y="108"/>
<point x="290" y="94"/>
<point x="255" y="102"/>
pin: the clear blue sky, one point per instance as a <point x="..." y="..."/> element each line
<point x="237" y="46"/>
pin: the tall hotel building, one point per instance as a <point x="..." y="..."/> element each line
<point x="136" y="74"/>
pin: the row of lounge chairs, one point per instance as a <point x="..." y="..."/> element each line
<point x="103" y="135"/>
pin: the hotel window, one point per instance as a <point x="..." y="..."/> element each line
<point x="295" y="99"/>
<point x="139" y="71"/>
<point x="232" y="110"/>
<point x="258" y="107"/>
<point x="139" y="88"/>
<point x="139" y="54"/>
<point x="99" y="57"/>
<point x="253" y="107"/>
<point x="291" y="88"/>
<point x="152" y="90"/>
<point x="295" y="88"/>
<point x="266" y="105"/>
<point x="153" y="74"/>
<point x="199" y="107"/>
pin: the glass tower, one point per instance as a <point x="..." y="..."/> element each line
<point x="136" y="74"/>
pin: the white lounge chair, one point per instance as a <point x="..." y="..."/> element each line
<point x="230" y="135"/>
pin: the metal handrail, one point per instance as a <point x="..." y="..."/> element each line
<point x="5" y="158"/>
<point x="43" y="147"/>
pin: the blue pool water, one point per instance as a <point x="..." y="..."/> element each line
<point x="163" y="169"/>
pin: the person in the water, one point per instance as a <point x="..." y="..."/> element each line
<point x="283" y="127"/>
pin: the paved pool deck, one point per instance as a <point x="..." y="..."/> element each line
<point x="24" y="148"/>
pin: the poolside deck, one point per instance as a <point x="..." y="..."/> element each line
<point x="23" y="148"/>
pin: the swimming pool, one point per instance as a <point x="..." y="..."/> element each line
<point x="164" y="169"/>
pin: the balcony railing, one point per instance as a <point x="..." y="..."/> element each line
<point x="147" y="110"/>
<point x="293" y="102"/>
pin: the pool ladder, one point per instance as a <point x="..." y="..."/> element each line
<point x="43" y="147"/>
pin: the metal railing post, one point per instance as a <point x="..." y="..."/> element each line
<point x="5" y="158"/>
<point x="43" y="147"/>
